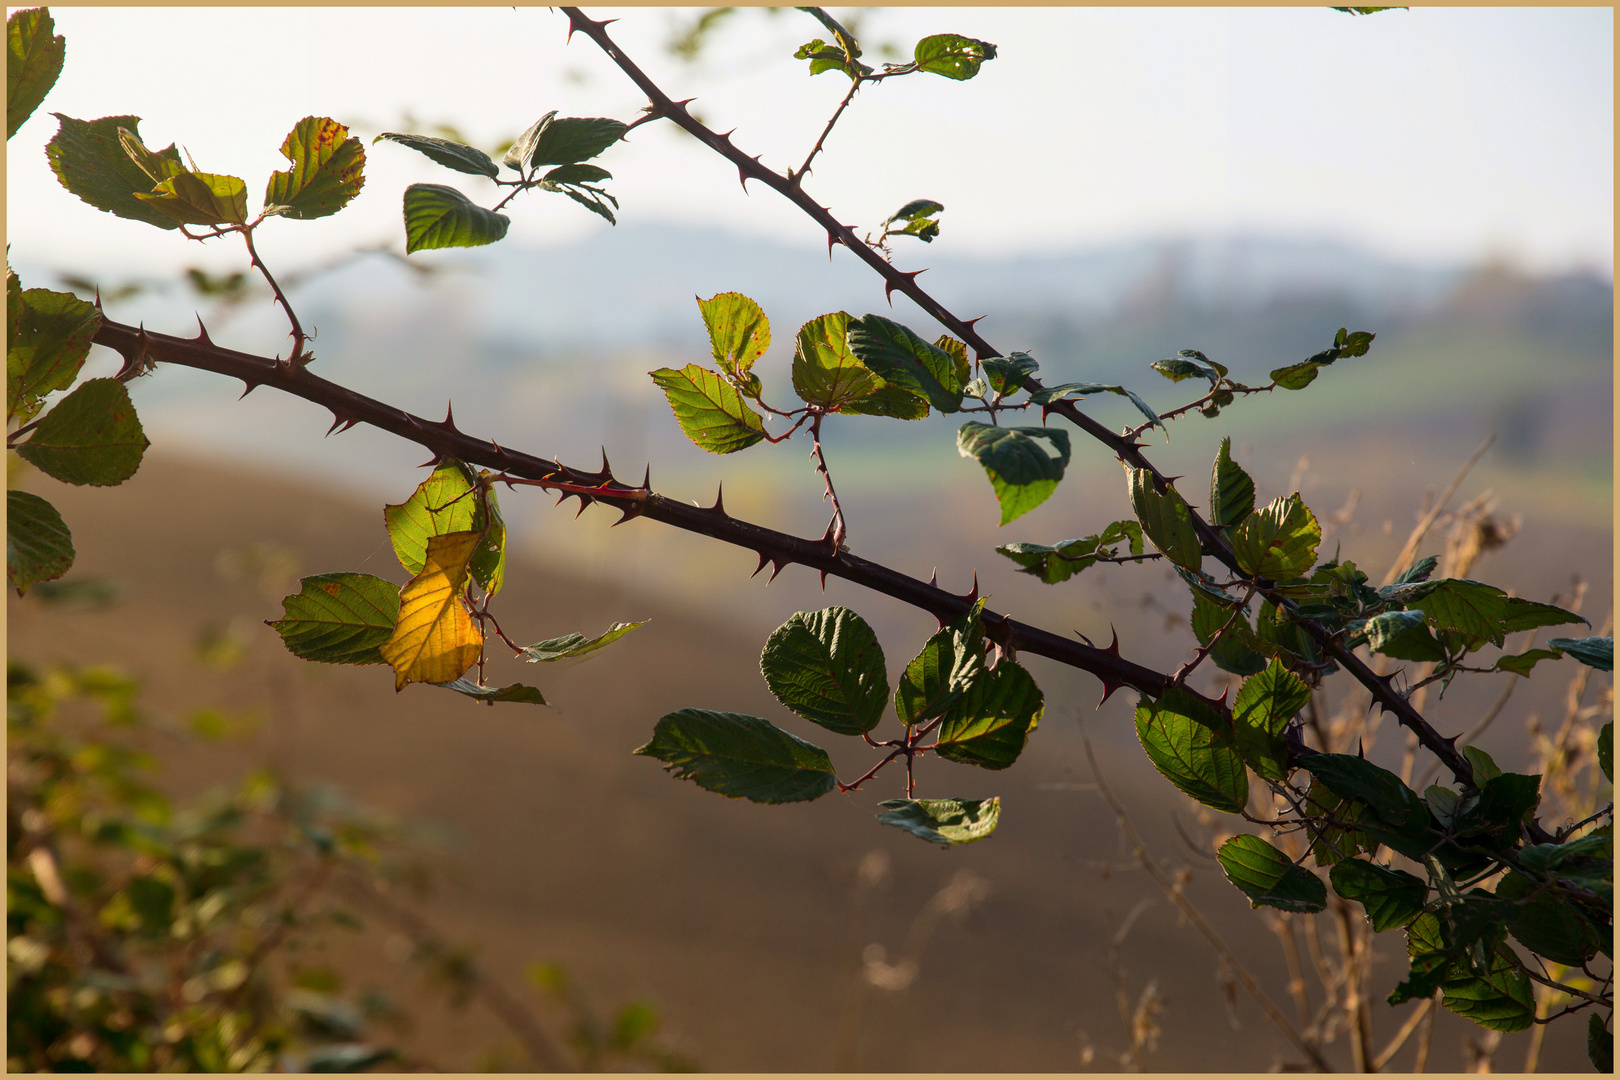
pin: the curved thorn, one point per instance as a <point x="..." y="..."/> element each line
<point x="719" y="502"/>
<point x="824" y="581"/>
<point x="449" y="418"/>
<point x="970" y="322"/>
<point x="776" y="568"/>
<point x="1108" y="691"/>
<point x="831" y="240"/>
<point x="98" y="297"/>
<point x="763" y="559"/>
<point x="631" y="511"/>
<point x="933" y="577"/>
<point x="606" y="475"/>
<point x="1085" y="639"/>
<point x="1113" y="646"/>
<point x="202" y="332"/>
<point x="646" y="479"/>
<point x="973" y="594"/>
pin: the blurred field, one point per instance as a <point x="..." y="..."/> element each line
<point x="739" y="922"/>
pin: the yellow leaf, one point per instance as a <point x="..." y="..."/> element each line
<point x="435" y="640"/>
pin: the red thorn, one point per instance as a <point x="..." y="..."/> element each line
<point x="888" y="284"/>
<point x="776" y="568"/>
<point x="1225" y="690"/>
<point x="933" y="577"/>
<point x="501" y="454"/>
<point x="202" y="332"/>
<point x="248" y="388"/>
<point x="970" y="322"/>
<point x="646" y="479"/>
<point x="98" y="297"/>
<point x="824" y="581"/>
<point x="433" y="461"/>
<point x="719" y="499"/>
<point x="631" y="511"/>
<point x="583" y="503"/>
<point x="726" y="138"/>
<point x="974" y="593"/>
<point x="1108" y="691"/>
<point x="742" y="177"/>
<point x="763" y="559"/>
<point x="1113" y="646"/>
<point x="1085" y="639"/>
<point x="341" y="423"/>
<point x="831" y="240"/>
<point x="1046" y="410"/>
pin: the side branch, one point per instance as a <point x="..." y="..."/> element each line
<point x="141" y="347"/>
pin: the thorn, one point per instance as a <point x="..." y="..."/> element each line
<point x="933" y="577"/>
<point x="1108" y="691"/>
<point x="646" y="479"/>
<point x="827" y="537"/>
<point x="248" y="388"/>
<point x="202" y="333"/>
<point x="726" y="138"/>
<point x="776" y="568"/>
<point x="824" y="581"/>
<point x="1113" y="646"/>
<point x="970" y="322"/>
<point x="98" y="297"/>
<point x="449" y="417"/>
<point x="1085" y="639"/>
<point x="763" y="559"/>
<point x="1361" y="751"/>
<point x="341" y="423"/>
<point x="1225" y="690"/>
<point x="831" y="240"/>
<point x="888" y="285"/>
<point x="432" y="462"/>
<point x="742" y="177"/>
<point x="682" y="104"/>
<point x="584" y="501"/>
<point x="974" y="593"/>
<point x="719" y="507"/>
<point x="631" y="511"/>
<point x="501" y="454"/>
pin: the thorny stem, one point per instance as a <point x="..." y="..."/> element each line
<point x="297" y="359"/>
<point x="1215" y="639"/>
<point x="1124" y="446"/>
<point x="798" y="177"/>
<point x="839" y="529"/>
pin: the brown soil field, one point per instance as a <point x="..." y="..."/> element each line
<point x="740" y="923"/>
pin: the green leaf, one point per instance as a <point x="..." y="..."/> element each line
<point x="1597" y="652"/>
<point x="1278" y="541"/>
<point x="92" y="436"/>
<point x="1296" y="376"/>
<point x="491" y="694"/>
<point x="1528" y="614"/>
<point x="1352" y="777"/>
<point x="1546" y="925"/>
<point x="1005" y="374"/>
<point x="198" y="198"/>
<point x="739" y="332"/>
<point x="1021" y="472"/>
<point x="339" y="618"/>
<point x="452" y="155"/>
<point x="740" y="757"/>
<point x="1472" y="609"/>
<point x="991" y="722"/>
<point x="1229" y="653"/>
<point x="1165" y="518"/>
<point x="1391" y="898"/>
<point x="709" y="409"/>
<point x="1048" y="395"/>
<point x="38" y="544"/>
<point x="952" y="55"/>
<point x="1403" y="635"/>
<point x="1196" y="758"/>
<point x="1268" y="877"/>
<point x="951" y="661"/>
<point x="1260" y="714"/>
<point x="1599" y="1044"/>
<point x="1175" y="369"/>
<point x="915" y="210"/>
<point x="943" y="821"/>
<point x="1605" y="750"/>
<point x="1503" y="803"/>
<point x="1231" y="492"/>
<point x="1336" y="842"/>
<point x="1522" y="663"/>
<point x="1060" y="563"/>
<point x="959" y="358"/>
<point x="48" y="335"/>
<point x="825" y="372"/>
<point x="900" y="357"/>
<point x="1485" y="768"/>
<point x="550" y="141"/>
<point x="591" y="199"/>
<point x="828" y="667"/>
<point x="89" y="160"/>
<point x="1500" y="1000"/>
<point x="447" y="502"/>
<point x="440" y="217"/>
<point x="328" y="170"/>
<point x="576" y="648"/>
<point x="578" y="174"/>
<point x="890" y="400"/>
<point x="33" y="61"/>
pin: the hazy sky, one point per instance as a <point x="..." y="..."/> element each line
<point x="1441" y="133"/>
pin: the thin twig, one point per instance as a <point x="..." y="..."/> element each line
<point x="798" y="177"/>
<point x="839" y="530"/>
<point x="297" y="359"/>
<point x="1409" y="549"/>
<point x="1402" y="1035"/>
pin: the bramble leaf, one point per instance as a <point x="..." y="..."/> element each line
<point x="825" y="372"/>
<point x="1021" y="472"/>
<point x="1260" y="714"/>
<point x="89" y="160"/>
<point x="1229" y="653"/>
<point x="1053" y="564"/>
<point x="950" y="662"/>
<point x="903" y="359"/>
<point x="436" y="640"/>
<point x="1193" y="756"/>
<point x="1165" y="518"/>
<point x="440" y="217"/>
<point x="709" y="409"/>
<point x="581" y="175"/>
<point x="1599" y="1044"/>
<point x="550" y="141"/>
<point x="943" y="821"/>
<point x="739" y="332"/>
<point x="198" y="198"/>
<point x="572" y="649"/>
<point x="1352" y="777"/>
<point x="1391" y="898"/>
<point x="92" y="436"/>
<point x="48" y="335"/>
<point x="1047" y="395"/>
<point x="1278" y="541"/>
<point x="33" y="61"/>
<point x="1522" y="663"/>
<point x="1231" y="491"/>
<point x="888" y="400"/>
<point x="1528" y="614"/>
<point x="1005" y="374"/>
<point x="491" y="694"/>
<point x="952" y="55"/>
<point x="448" y="502"/>
<point x="740" y="757"/>
<point x="1403" y="635"/>
<point x="1597" y="652"/>
<point x="339" y="618"/>
<point x="828" y="667"/>
<point x="452" y="155"/>
<point x="990" y="723"/>
<point x="38" y="544"/>
<point x="1268" y="877"/>
<point x="328" y="170"/>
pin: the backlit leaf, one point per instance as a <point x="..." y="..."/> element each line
<point x="1022" y="473"/>
<point x="328" y="170"/>
<point x="452" y="155"/>
<point x="448" y="502"/>
<point x="1194" y="757"/>
<point x="1006" y="373"/>
<point x="38" y="544"/>
<point x="825" y="371"/>
<point x="1403" y="635"/>
<point x="439" y="217"/>
<point x="579" y="174"/>
<point x="917" y="208"/>
<point x="1268" y="877"/>
<point x="990" y="723"/>
<point x="1055" y="563"/>
<point x="34" y="55"/>
<point x="89" y="161"/>
<point x="903" y="359"/>
<point x="1391" y="898"/>
<point x="92" y="436"/>
<point x="1470" y="608"/>
<point x="1528" y="614"/>
<point x="1279" y="540"/>
<point x="1230" y="653"/>
<point x="573" y="138"/>
<point x="197" y="198"/>
<point x="48" y="335"/>
<point x="1048" y="395"/>
<point x="1165" y="518"/>
<point x="740" y="757"/>
<point x="1260" y="714"/>
<point x="889" y="400"/>
<point x="1231" y="492"/>
<point x="943" y="821"/>
<point x="739" y="332"/>
<point x="339" y="618"/>
<point x="937" y="677"/>
<point x="518" y="154"/>
<point x="1522" y="663"/>
<point x="572" y="649"/>
<point x="1357" y="778"/>
<point x="952" y="55"/>
<point x="491" y="694"/>
<point x="436" y="640"/>
<point x="709" y="409"/>
<point x="828" y="667"/>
